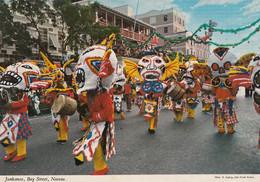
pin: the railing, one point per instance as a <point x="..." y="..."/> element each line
<point x="141" y="37"/>
<point x="133" y="35"/>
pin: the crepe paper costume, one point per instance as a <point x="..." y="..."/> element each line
<point x="224" y="90"/>
<point x="117" y="91"/>
<point x="178" y="106"/>
<point x="60" y="121"/>
<point x="254" y="67"/>
<point x="117" y="94"/>
<point x="94" y="73"/>
<point x="192" y="86"/>
<point x="245" y="59"/>
<point x="82" y="110"/>
<point x="207" y="96"/>
<point x="52" y="79"/>
<point x="151" y="70"/>
<point x="15" y="127"/>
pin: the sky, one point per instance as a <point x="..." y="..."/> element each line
<point x="229" y="14"/>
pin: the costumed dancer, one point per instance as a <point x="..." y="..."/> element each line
<point x="207" y="97"/>
<point x="176" y="101"/>
<point x="192" y="86"/>
<point x="151" y="70"/>
<point x="58" y="87"/>
<point x="224" y="90"/>
<point x="94" y="75"/>
<point x="15" y="127"/>
<point x="254" y="67"/>
<point x="139" y="96"/>
<point x="117" y="92"/>
<point x="81" y="104"/>
<point x="82" y="110"/>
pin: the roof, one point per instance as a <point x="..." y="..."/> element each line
<point x="159" y="12"/>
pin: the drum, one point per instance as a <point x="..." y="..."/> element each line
<point x="175" y="92"/>
<point x="64" y="105"/>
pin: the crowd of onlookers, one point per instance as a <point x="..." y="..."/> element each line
<point x="37" y="103"/>
<point x="125" y="51"/>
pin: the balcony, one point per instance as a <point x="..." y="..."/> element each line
<point x="139" y="37"/>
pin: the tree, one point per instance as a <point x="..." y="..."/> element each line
<point x="186" y="58"/>
<point x="80" y="23"/>
<point x="75" y="21"/>
<point x="35" y="13"/>
<point x="14" y="32"/>
<point x="99" y="33"/>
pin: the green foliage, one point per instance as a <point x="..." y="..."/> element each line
<point x="185" y="58"/>
<point x="81" y="26"/>
<point x="203" y="26"/>
<point x="77" y="20"/>
<point x="35" y="13"/>
<point x="98" y="33"/>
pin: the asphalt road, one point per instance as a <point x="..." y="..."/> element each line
<point x="191" y="147"/>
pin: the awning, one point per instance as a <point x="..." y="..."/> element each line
<point x="54" y="41"/>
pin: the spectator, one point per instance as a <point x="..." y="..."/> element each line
<point x="64" y="58"/>
<point x="36" y="103"/>
<point x="128" y="94"/>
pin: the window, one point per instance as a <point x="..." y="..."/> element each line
<point x="183" y="22"/>
<point x="4" y="51"/>
<point x="165" y="18"/>
<point x="165" y="29"/>
<point x="152" y="20"/>
<point x="180" y="21"/>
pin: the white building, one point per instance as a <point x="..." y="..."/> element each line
<point x="50" y="35"/>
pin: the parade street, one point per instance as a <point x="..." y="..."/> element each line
<point x="191" y="147"/>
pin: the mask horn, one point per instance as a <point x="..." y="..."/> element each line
<point x="106" y="68"/>
<point x="104" y="42"/>
<point x="49" y="64"/>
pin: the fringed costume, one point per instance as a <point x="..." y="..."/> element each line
<point x="254" y="66"/>
<point x="151" y="71"/>
<point x="117" y="92"/>
<point x="224" y="90"/>
<point x="207" y="96"/>
<point x="53" y="74"/>
<point x="94" y="75"/>
<point x="15" y="127"/>
<point x="192" y="86"/>
<point x="60" y="121"/>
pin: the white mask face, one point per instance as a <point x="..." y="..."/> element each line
<point x="151" y="68"/>
<point x="220" y="61"/>
<point x="19" y="75"/>
<point x="255" y="77"/>
<point x="88" y="66"/>
<point x="119" y="76"/>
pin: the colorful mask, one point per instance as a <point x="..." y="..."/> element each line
<point x="19" y="75"/>
<point x="119" y="78"/>
<point x="220" y="61"/>
<point x="255" y="77"/>
<point x="87" y="71"/>
<point x="151" y="68"/>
